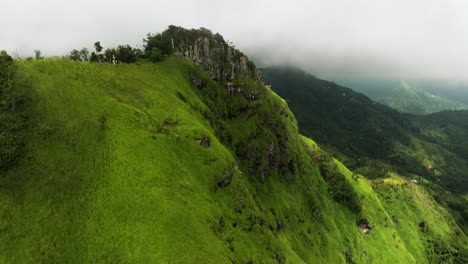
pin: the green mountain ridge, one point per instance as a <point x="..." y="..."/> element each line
<point x="352" y="124"/>
<point x="158" y="162"/>
<point x="404" y="97"/>
<point x="374" y="140"/>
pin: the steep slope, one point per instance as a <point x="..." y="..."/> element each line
<point x="430" y="146"/>
<point x="337" y="116"/>
<point x="451" y="89"/>
<point x="159" y="163"/>
<point x="403" y="96"/>
<point x="369" y="133"/>
<point x="448" y="129"/>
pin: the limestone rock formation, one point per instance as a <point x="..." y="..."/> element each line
<point x="210" y="51"/>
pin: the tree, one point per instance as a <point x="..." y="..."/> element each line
<point x="6" y="70"/>
<point x="98" y="47"/>
<point x="160" y="41"/>
<point x="4" y="57"/>
<point x="38" y="54"/>
<point x="109" y="53"/>
<point x="126" y="54"/>
<point x="94" y="57"/>
<point x="155" y="55"/>
<point x="84" y="54"/>
<point x="98" y="57"/>
<point x="6" y="73"/>
<point x="138" y="53"/>
<point x="13" y="118"/>
<point x="74" y="55"/>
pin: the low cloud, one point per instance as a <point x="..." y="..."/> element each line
<point x="363" y="38"/>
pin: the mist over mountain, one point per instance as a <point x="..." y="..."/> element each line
<point x="416" y="97"/>
<point x="331" y="39"/>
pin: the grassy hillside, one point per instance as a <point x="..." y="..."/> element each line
<point x="405" y="97"/>
<point x="409" y="99"/>
<point x="375" y="140"/>
<point x="371" y="135"/>
<point x="450" y="89"/>
<point x="447" y="128"/>
<point x="158" y="163"/>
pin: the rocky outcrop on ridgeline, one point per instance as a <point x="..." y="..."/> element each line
<point x="268" y="148"/>
<point x="211" y="52"/>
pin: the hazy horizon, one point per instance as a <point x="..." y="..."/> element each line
<point x="343" y="39"/>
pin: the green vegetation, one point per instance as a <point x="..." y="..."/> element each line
<point x="156" y="47"/>
<point x="405" y="97"/>
<point x="157" y="163"/>
<point x="154" y="161"/>
<point x="377" y="141"/>
<point x="13" y="114"/>
<point x="339" y="187"/>
<point x="373" y="139"/>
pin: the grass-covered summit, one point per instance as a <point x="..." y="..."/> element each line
<point x="157" y="162"/>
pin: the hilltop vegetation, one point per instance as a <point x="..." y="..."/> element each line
<point x="13" y="112"/>
<point x="164" y="162"/>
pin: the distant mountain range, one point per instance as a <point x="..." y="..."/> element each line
<point x="351" y="124"/>
<point x="409" y="97"/>
<point x="375" y="140"/>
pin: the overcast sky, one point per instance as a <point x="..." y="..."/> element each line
<point x="393" y="38"/>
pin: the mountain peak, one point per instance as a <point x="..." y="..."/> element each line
<point x="211" y="52"/>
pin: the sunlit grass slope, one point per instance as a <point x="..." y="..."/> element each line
<point x="114" y="172"/>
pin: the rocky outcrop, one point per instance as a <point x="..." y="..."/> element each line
<point x="213" y="54"/>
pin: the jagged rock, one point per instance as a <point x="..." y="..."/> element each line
<point x="206" y="48"/>
<point x="213" y="54"/>
<point x="244" y="68"/>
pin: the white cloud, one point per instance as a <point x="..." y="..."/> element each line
<point x="330" y="37"/>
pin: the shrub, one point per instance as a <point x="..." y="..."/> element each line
<point x="126" y="54"/>
<point x="7" y="72"/>
<point x="161" y="42"/>
<point x="74" y="55"/>
<point x="338" y="186"/>
<point x="12" y="118"/>
<point x="154" y="55"/>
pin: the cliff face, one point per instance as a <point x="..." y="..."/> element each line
<point x="212" y="53"/>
